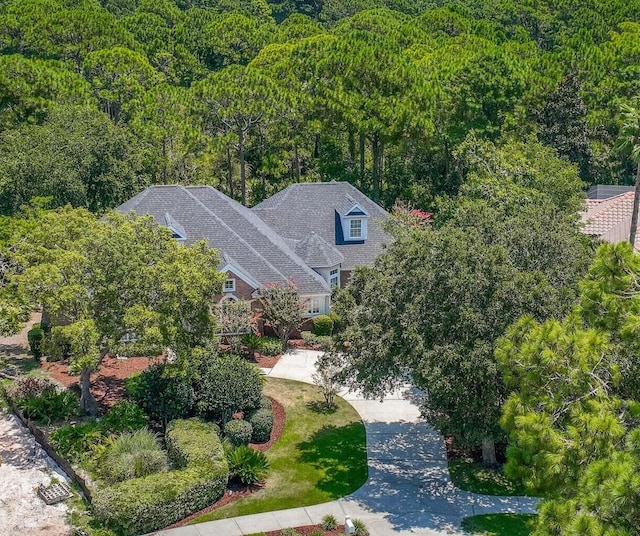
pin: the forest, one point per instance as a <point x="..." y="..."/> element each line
<point x="98" y="100"/>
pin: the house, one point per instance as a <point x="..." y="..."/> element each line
<point x="607" y="213"/>
<point x="312" y="234"/>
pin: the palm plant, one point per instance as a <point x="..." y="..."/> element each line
<point x="629" y="142"/>
<point x="247" y="465"/>
<point x="253" y="342"/>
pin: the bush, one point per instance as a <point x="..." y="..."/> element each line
<point x="142" y="505"/>
<point x="271" y="346"/>
<point x="51" y="406"/>
<point x="162" y="392"/>
<point x="323" y="341"/>
<point x="338" y="324"/>
<point x="289" y="531"/>
<point x="329" y="522"/>
<point x="133" y="455"/>
<point x="74" y="441"/>
<point x="29" y="387"/>
<point x="265" y="403"/>
<point x="322" y="325"/>
<point x="124" y="416"/>
<point x="35" y="337"/>
<point x="261" y="421"/>
<point x="317" y="533"/>
<point x="247" y="465"/>
<point x="227" y="384"/>
<point x="360" y="528"/>
<point x="238" y="432"/>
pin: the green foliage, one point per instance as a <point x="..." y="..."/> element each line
<point x="265" y="402"/>
<point x="74" y="441"/>
<point x="124" y="416"/>
<point x="329" y="522"/>
<point x="51" y="406"/>
<point x="162" y="392"/>
<point x="289" y="531"/>
<point x="133" y="455"/>
<point x="236" y="321"/>
<point x="324" y="342"/>
<point x="227" y="384"/>
<point x="261" y="421"/>
<point x="142" y="505"/>
<point x="238" y="432"/>
<point x="322" y="325"/>
<point x="360" y="528"/>
<point x="499" y="524"/>
<point x="271" y="346"/>
<point x="35" y="338"/>
<point x="247" y="465"/>
<point x="30" y="386"/>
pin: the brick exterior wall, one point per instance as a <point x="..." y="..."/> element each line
<point x="243" y="289"/>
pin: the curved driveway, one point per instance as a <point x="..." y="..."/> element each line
<point x="408" y="490"/>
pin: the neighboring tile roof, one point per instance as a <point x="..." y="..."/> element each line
<point x="317" y="253"/>
<point x="235" y="231"/>
<point x="605" y="191"/>
<point x="609" y="219"/>
<point x="303" y="208"/>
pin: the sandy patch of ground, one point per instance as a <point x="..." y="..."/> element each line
<point x="24" y="466"/>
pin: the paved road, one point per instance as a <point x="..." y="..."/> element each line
<point x="408" y="490"/>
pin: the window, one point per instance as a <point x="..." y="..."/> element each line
<point x="314" y="306"/>
<point x="355" y="228"/>
<point x="334" y="278"/>
<point x="230" y="285"/>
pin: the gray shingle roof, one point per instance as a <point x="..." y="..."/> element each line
<point x="234" y="230"/>
<point x="304" y="208"/>
<point x="318" y="253"/>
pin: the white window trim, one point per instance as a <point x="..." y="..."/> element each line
<point x="346" y="228"/>
<point x="352" y="229"/>
<point x="224" y="286"/>
<point x="334" y="274"/>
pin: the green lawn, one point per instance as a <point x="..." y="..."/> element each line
<point x="320" y="456"/>
<point x="470" y="476"/>
<point x="498" y="524"/>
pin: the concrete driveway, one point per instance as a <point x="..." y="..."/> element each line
<point x="408" y="491"/>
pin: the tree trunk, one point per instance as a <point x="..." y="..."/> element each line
<point x="230" y="173"/>
<point x="376" y="150"/>
<point x="316" y="148"/>
<point x="634" y="216"/>
<point x="297" y="157"/>
<point x="243" y="173"/>
<point x="87" y="401"/>
<point x="489" y="452"/>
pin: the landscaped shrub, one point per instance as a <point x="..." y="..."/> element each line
<point x="322" y="341"/>
<point x="124" y="416"/>
<point x="360" y="528"/>
<point x="329" y="522"/>
<point x="271" y="346"/>
<point x="163" y="392"/>
<point x="133" y="455"/>
<point x="51" y="406"/>
<point x="238" y="432"/>
<point x="226" y="384"/>
<point x="75" y="441"/>
<point x="322" y="325"/>
<point x="289" y="531"/>
<point x="35" y="336"/>
<point x="265" y="402"/>
<point x="58" y="345"/>
<point x="261" y="421"/>
<point x="247" y="465"/>
<point x="142" y="505"/>
<point x="30" y="386"/>
<point x="317" y="533"/>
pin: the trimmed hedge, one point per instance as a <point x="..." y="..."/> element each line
<point x="261" y="422"/>
<point x="271" y="346"/>
<point x="238" y="432"/>
<point x="322" y="325"/>
<point x="35" y="337"/>
<point x="265" y="403"/>
<point x="142" y="505"/>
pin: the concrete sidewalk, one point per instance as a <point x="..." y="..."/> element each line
<point x="408" y="491"/>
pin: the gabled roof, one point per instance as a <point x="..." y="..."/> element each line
<point x="609" y="219"/>
<point x="303" y="208"/>
<point x="318" y="253"/>
<point x="234" y="230"/>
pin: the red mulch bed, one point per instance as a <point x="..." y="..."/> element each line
<point x="301" y="344"/>
<point x="237" y="491"/>
<point x="265" y="361"/>
<point x="107" y="384"/>
<point x="307" y="530"/>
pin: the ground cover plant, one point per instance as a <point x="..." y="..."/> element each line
<point x="320" y="456"/>
<point x="478" y="478"/>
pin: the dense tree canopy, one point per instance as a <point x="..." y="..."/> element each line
<point x="381" y="93"/>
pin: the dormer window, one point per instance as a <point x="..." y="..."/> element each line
<point x="230" y="285"/>
<point x="355" y="228"/>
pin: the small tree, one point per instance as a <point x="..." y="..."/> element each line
<point x="282" y="309"/>
<point x="327" y="377"/>
<point x="236" y="319"/>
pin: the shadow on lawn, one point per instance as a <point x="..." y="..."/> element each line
<point x="320" y="407"/>
<point x="341" y="452"/>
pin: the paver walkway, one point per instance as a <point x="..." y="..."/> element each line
<point x="408" y="490"/>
